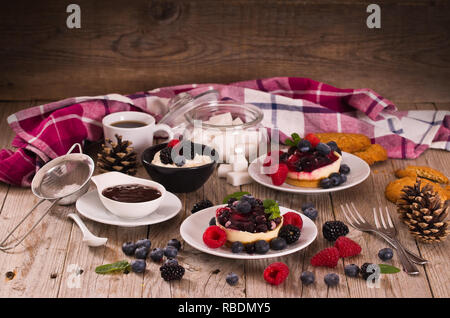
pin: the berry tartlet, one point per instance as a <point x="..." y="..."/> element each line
<point x="308" y="163"/>
<point x="249" y="220"/>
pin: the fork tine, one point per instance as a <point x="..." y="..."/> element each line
<point x="351" y="213"/>
<point x="382" y="218"/>
<point x="359" y="215"/>
<point x="346" y="216"/>
<point x="377" y="224"/>
<point x="388" y="216"/>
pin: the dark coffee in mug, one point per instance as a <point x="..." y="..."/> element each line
<point x="128" y="124"/>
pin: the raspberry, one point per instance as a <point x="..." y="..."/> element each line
<point x="313" y="139"/>
<point x="214" y="236"/>
<point x="173" y="143"/>
<point x="219" y="211"/>
<point x="280" y="175"/>
<point x="328" y="257"/>
<point x="276" y="273"/>
<point x="293" y="218"/>
<point x="347" y="247"/>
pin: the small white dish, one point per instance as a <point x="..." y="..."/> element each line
<point x="359" y="171"/>
<point x="90" y="206"/>
<point x="124" y="209"/>
<point x="192" y="229"/>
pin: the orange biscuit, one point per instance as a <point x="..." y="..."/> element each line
<point x="422" y="172"/>
<point x="393" y="190"/>
<point x="346" y="142"/>
<point x="374" y="153"/>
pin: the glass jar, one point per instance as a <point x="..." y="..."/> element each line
<point x="229" y="127"/>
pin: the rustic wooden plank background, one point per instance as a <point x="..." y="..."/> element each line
<point x="128" y="46"/>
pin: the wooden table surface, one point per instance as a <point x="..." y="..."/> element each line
<point x="53" y="259"/>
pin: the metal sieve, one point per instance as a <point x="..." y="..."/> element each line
<point x="61" y="181"/>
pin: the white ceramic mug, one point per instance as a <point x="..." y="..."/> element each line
<point x="141" y="137"/>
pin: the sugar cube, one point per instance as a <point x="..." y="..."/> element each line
<point x="238" y="178"/>
<point x="222" y="119"/>
<point x="223" y="170"/>
<point x="239" y="163"/>
<point x="237" y="121"/>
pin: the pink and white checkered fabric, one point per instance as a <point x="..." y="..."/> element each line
<point x="290" y="104"/>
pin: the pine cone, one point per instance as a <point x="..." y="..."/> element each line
<point x="117" y="156"/>
<point x="424" y="212"/>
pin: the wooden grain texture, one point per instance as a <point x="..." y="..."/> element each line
<point x="125" y="46"/>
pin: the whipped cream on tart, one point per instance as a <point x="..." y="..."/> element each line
<point x="248" y="227"/>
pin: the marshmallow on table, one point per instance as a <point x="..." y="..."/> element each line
<point x="238" y="178"/>
<point x="223" y="170"/>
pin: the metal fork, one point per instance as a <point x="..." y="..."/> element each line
<point x="362" y="225"/>
<point x="389" y="229"/>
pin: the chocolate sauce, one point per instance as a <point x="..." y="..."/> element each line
<point x="131" y="193"/>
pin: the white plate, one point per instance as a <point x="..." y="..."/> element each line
<point x="90" y="206"/>
<point x="359" y="171"/>
<point x="193" y="227"/>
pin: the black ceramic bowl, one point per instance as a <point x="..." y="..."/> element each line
<point x="178" y="180"/>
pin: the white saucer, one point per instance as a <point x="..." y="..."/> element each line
<point x="90" y="206"/>
<point x="359" y="171"/>
<point x="193" y="227"/>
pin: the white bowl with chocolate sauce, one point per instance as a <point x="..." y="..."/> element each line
<point x="128" y="197"/>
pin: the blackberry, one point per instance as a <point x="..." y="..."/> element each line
<point x="201" y="205"/>
<point x="290" y="233"/>
<point x="333" y="229"/>
<point x="171" y="272"/>
<point x="165" y="156"/>
<point x="366" y="271"/>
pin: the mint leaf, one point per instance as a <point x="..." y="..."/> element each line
<point x="274" y="215"/>
<point x="271" y="207"/>
<point x="267" y="203"/>
<point x="296" y="138"/>
<point x="237" y="195"/>
<point x="388" y="269"/>
<point x="290" y="142"/>
<point x="112" y="268"/>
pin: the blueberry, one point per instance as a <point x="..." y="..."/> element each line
<point x="334" y="147"/>
<point x="307" y="278"/>
<point x="250" y="199"/>
<point x="138" y="266"/>
<point x="175" y="243"/>
<point x="141" y="252"/>
<point x="144" y="242"/>
<point x="232" y="279"/>
<point x="335" y="179"/>
<point x="128" y="248"/>
<point x="351" y="270"/>
<point x="385" y="254"/>
<point x="312" y="213"/>
<point x="179" y="161"/>
<point x="343" y="178"/>
<point x="157" y="254"/>
<point x="344" y="169"/>
<point x="237" y="247"/>
<point x="278" y="243"/>
<point x="323" y="149"/>
<point x="243" y="207"/>
<point x="250" y="248"/>
<point x="326" y="183"/>
<point x="307" y="205"/>
<point x="212" y="221"/>
<point x="170" y="252"/>
<point x="304" y="145"/>
<point x="331" y="279"/>
<point x="261" y="247"/>
<point x="171" y="261"/>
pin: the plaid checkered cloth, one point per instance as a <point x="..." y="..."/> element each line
<point x="290" y="104"/>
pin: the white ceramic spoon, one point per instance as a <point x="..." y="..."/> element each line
<point x="89" y="238"/>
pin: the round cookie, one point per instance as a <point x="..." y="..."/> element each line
<point x="394" y="188"/>
<point x="422" y="172"/>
